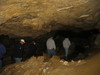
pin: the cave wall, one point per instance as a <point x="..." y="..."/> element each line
<point x="37" y="17"/>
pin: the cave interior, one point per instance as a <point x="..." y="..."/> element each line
<point x="82" y="43"/>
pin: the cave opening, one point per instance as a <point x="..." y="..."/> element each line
<point x="82" y="44"/>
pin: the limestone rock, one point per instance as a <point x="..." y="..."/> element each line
<point x="36" y="66"/>
<point x="37" y="17"/>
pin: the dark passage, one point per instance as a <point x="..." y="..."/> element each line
<point x="82" y="41"/>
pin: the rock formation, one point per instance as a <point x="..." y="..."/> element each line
<point x="32" y="18"/>
<point x="54" y="66"/>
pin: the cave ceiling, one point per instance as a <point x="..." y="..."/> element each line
<point x="31" y="18"/>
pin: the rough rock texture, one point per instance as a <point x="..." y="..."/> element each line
<point x="55" y="66"/>
<point x="37" y="17"/>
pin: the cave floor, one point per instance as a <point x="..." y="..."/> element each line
<point x="88" y="66"/>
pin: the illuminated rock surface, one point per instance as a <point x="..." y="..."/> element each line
<point x="37" y="17"/>
<point x="55" y="66"/>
